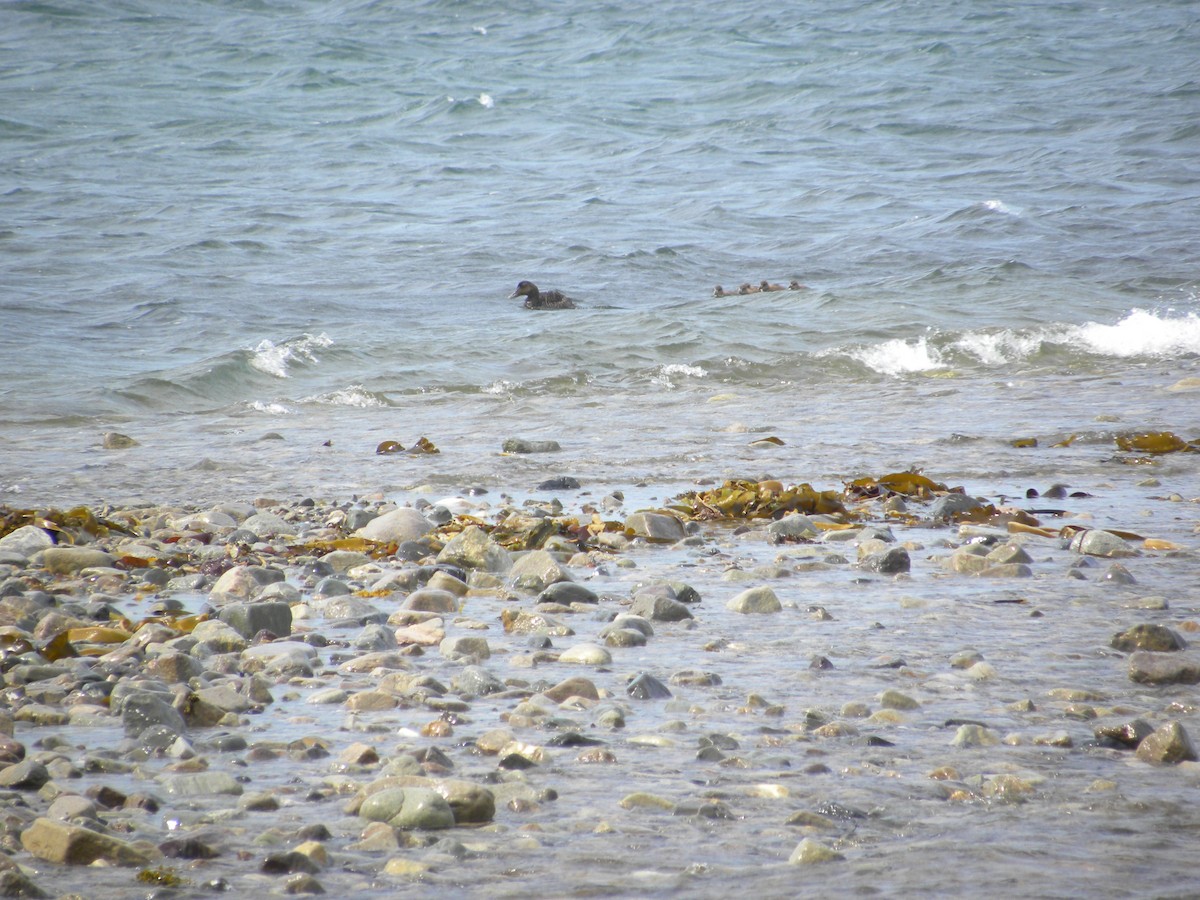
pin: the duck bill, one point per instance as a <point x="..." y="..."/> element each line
<point x="514" y="295"/>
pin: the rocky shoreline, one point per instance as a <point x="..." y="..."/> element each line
<point x="352" y="698"/>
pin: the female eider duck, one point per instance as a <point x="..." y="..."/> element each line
<point x="535" y="299"/>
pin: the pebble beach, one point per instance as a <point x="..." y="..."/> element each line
<point x="754" y="680"/>
<point x="329" y="566"/>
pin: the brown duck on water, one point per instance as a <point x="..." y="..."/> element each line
<point x="535" y="299"/>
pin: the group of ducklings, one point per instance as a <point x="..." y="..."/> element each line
<point x="762" y="287"/>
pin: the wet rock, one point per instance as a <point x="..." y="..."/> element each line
<point x="280" y="658"/>
<point x="248" y="619"/>
<point x="1164" y="668"/>
<point x="445" y="581"/>
<point x="1118" y="574"/>
<point x="174" y="667"/>
<point x="302" y="883"/>
<point x="471" y="804"/>
<point x="535" y="571"/>
<point x="238" y="583"/>
<point x="566" y="593"/>
<point x="1095" y="542"/>
<point x="892" y="699"/>
<point x="472" y="548"/>
<point x="26" y="775"/>
<point x="1168" y="745"/>
<point x="656" y="527"/>
<point x="888" y="562"/>
<point x="1155" y="638"/>
<point x="342" y="561"/>
<point x="72" y="806"/>
<point x="25" y="541"/>
<point x="1008" y="555"/>
<point x="622" y="637"/>
<point x="794" y="526"/>
<point x="971" y="735"/>
<point x="375" y="637"/>
<point x="559" y="483"/>
<point x="465" y="648"/>
<point x="143" y="710"/>
<point x="408" y="809"/>
<point x="15" y="883"/>
<point x="1008" y="570"/>
<point x="952" y="506"/>
<point x="521" y="621"/>
<point x="201" y="784"/>
<point x="265" y="525"/>
<point x="218" y="637"/>
<point x="659" y="605"/>
<point x="586" y="655"/>
<point x="70" y="560"/>
<point x="476" y="681"/>
<point x="755" y="601"/>
<point x="188" y="848"/>
<point x="287" y="862"/>
<point x="396" y="527"/>
<point x="520" y="445"/>
<point x="573" y="687"/>
<point x="646" y="687"/>
<point x="810" y="852"/>
<point x="1126" y="734"/>
<point x="59" y="842"/>
<point x="432" y="600"/>
<point x="970" y="559"/>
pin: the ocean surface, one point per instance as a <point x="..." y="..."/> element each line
<point x="261" y="237"/>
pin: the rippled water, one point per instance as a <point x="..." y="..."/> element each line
<point x="261" y="238"/>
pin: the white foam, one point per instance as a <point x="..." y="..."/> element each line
<point x="274" y="409"/>
<point x="665" y="374"/>
<point x="355" y="395"/>
<point x="1143" y="333"/>
<point x="486" y="101"/>
<point x="274" y="358"/>
<point x="1001" y="207"/>
<point x="997" y="348"/>
<point x="897" y="357"/>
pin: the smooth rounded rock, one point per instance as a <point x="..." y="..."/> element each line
<point x="586" y="655"/>
<point x="755" y="601"/>
<point x="396" y="527"/>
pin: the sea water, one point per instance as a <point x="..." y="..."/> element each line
<point x="260" y="238"/>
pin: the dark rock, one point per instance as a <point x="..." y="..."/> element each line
<point x="566" y="593"/>
<point x="1155" y="638"/>
<point x="1164" y="668"/>
<point x="659" y="605"/>
<point x="187" y="848"/>
<point x="1128" y="734"/>
<point x="1168" y="745"/>
<point x="561" y="483"/>
<point x="890" y="562"/>
<point x="647" y="687"/>
<point x="248" y="619"/>
<point x="27" y="775"/>
<point x="287" y="862"/>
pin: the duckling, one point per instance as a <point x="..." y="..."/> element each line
<point x="747" y="288"/>
<point x="765" y="285"/>
<point x="719" y="291"/>
<point x="797" y="286"/>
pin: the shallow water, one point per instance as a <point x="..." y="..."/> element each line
<point x="262" y="238"/>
